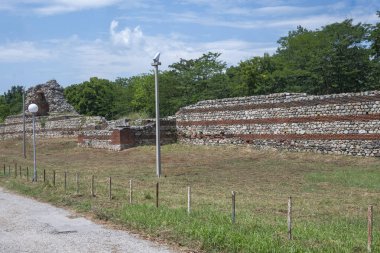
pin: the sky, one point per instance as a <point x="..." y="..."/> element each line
<point x="73" y="40"/>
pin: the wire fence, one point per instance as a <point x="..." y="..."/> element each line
<point x="134" y="191"/>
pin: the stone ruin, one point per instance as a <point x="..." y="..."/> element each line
<point x="49" y="98"/>
<point x="347" y="123"/>
<point x="123" y="134"/>
<point x="55" y="116"/>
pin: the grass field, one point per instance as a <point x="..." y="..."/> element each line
<point x="330" y="194"/>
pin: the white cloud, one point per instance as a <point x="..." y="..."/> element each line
<point x="130" y="52"/>
<point x="60" y="6"/>
<point x="23" y="52"/>
<point x="5" y="6"/>
<point x="126" y="52"/>
<point x="50" y="7"/>
<point x="126" y="37"/>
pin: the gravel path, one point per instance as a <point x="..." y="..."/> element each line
<point x="27" y="225"/>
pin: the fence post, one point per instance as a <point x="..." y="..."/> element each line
<point x="130" y="191"/>
<point x="188" y="199"/>
<point x="9" y="170"/>
<point x="15" y="170"/>
<point x="290" y="236"/>
<point x="77" y="181"/>
<point x="370" y="223"/>
<point x="110" y="188"/>
<point x="44" y="175"/>
<point x="20" y="172"/>
<point x="4" y="169"/>
<point x="65" y="183"/>
<point x="27" y="173"/>
<point x="233" y="207"/>
<point x="92" y="186"/>
<point x="53" y="177"/>
<point x="157" y="190"/>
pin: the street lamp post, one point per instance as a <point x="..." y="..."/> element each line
<point x="23" y="124"/>
<point x="33" y="108"/>
<point x="155" y="64"/>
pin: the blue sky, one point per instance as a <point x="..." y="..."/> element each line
<point x="73" y="40"/>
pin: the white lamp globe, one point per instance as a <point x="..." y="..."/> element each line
<point x="33" y="108"/>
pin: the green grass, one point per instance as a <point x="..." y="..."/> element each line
<point x="351" y="177"/>
<point x="330" y="194"/>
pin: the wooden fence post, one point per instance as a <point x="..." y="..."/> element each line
<point x="4" y="169"/>
<point x="370" y="224"/>
<point x="130" y="191"/>
<point x="110" y="188"/>
<point x="44" y="175"/>
<point x="157" y="190"/>
<point x="15" y="170"/>
<point x="290" y="236"/>
<point x="188" y="199"/>
<point x="53" y="177"/>
<point x="9" y="170"/>
<point x="77" y="181"/>
<point x="233" y="207"/>
<point x="20" y="172"/>
<point x="92" y="186"/>
<point x="65" y="181"/>
<point x="27" y="173"/>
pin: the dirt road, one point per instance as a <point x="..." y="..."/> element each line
<point x="27" y="225"/>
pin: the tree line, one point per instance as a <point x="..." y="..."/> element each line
<point x="339" y="57"/>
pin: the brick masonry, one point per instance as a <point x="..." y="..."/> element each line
<point x="118" y="138"/>
<point x="50" y="126"/>
<point x="347" y="123"/>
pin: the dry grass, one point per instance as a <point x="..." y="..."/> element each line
<point x="323" y="186"/>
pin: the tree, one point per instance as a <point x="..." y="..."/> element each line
<point x="201" y="78"/>
<point x="4" y="109"/>
<point x="141" y="90"/>
<point x="11" y="102"/>
<point x="253" y="76"/>
<point x="375" y="38"/>
<point x="93" y="97"/>
<point x="374" y="75"/>
<point x="331" y="60"/>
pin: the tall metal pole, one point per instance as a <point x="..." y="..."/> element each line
<point x="23" y="128"/>
<point x="34" y="149"/>
<point x="158" y="144"/>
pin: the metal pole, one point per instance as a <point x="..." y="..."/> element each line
<point x="158" y="148"/>
<point x="34" y="149"/>
<point x="23" y="115"/>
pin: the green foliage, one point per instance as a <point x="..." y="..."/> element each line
<point x="253" y="76"/>
<point x="141" y="89"/>
<point x="199" y="79"/>
<point x="189" y="81"/>
<point x="340" y="57"/>
<point x="186" y="82"/>
<point x="94" y="97"/>
<point x="11" y="102"/>
<point x="333" y="59"/>
<point x="375" y="37"/>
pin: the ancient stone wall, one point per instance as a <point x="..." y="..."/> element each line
<point x="341" y="123"/>
<point x="118" y="137"/>
<point x="50" y="126"/>
<point x="49" y="98"/>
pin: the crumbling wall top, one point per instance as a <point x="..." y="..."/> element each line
<point x="49" y="98"/>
